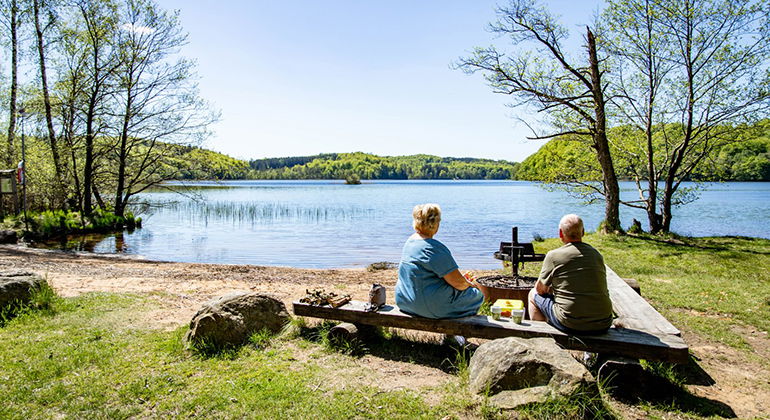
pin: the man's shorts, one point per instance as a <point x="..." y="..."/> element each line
<point x="545" y="304"/>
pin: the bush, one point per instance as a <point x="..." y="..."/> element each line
<point x="55" y="223"/>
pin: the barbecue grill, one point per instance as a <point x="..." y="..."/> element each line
<point x="517" y="252"/>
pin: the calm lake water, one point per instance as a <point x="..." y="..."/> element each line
<point x="328" y="224"/>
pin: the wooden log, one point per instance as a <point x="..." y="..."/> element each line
<point x="621" y="341"/>
<point x="626" y="380"/>
<point x="343" y="332"/>
<point x="633" y="284"/>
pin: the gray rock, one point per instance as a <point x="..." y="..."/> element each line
<point x="17" y="287"/>
<point x="8" y="237"/>
<point x="229" y="320"/>
<point x="519" y="371"/>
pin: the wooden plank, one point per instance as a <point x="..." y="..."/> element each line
<point x="621" y="341"/>
<point x="633" y="311"/>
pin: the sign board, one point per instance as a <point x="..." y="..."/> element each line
<point x="6" y="185"/>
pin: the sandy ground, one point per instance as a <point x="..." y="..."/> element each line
<point x="742" y="381"/>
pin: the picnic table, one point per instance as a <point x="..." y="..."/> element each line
<point x="638" y="330"/>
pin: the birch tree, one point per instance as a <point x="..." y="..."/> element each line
<point x="540" y="74"/>
<point x="693" y="72"/>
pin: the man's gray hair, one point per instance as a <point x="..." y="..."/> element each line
<point x="571" y="227"/>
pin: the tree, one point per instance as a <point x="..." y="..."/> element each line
<point x="99" y="26"/>
<point x="156" y="96"/>
<point x="691" y="72"/>
<point x="40" y="30"/>
<point x="541" y="75"/>
<point x="13" y="26"/>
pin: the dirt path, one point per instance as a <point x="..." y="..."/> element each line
<point x="742" y="381"/>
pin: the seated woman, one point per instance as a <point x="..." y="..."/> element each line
<point x="429" y="282"/>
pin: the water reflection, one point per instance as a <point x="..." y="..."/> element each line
<point x="113" y="243"/>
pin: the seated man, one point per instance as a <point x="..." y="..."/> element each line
<point x="571" y="292"/>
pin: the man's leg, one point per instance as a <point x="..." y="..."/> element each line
<point x="534" y="311"/>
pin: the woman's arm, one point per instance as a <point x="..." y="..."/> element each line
<point x="456" y="280"/>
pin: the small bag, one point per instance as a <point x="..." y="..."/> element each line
<point x="376" y="298"/>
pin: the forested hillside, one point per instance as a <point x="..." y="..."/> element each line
<point x="190" y="162"/>
<point x="368" y="166"/>
<point x="746" y="158"/>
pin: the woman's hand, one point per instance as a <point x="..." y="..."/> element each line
<point x="459" y="281"/>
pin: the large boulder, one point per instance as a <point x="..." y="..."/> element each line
<point x="229" y="320"/>
<point x="17" y="287"/>
<point x="517" y="371"/>
<point x="8" y="237"/>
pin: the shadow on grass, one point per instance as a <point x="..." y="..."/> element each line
<point x="390" y="345"/>
<point x="669" y="397"/>
<point x="661" y="385"/>
<point x="705" y="244"/>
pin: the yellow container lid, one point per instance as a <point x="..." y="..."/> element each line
<point x="509" y="303"/>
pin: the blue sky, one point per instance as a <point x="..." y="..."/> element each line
<point x="305" y="77"/>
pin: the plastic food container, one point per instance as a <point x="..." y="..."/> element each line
<point x="508" y="305"/>
<point x="517" y="315"/>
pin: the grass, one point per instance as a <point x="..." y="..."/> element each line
<point x="87" y="359"/>
<point x="585" y="403"/>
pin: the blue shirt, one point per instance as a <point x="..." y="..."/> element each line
<point x="421" y="288"/>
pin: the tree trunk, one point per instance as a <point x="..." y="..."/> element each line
<point x="652" y="177"/>
<point x="88" y="164"/>
<point x="10" y="158"/>
<point x="601" y="145"/>
<point x="47" y="105"/>
<point x="120" y="204"/>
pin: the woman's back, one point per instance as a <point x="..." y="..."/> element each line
<point x="421" y="289"/>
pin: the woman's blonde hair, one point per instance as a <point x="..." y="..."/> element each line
<point x="426" y="218"/>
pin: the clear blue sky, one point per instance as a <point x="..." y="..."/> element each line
<point x="304" y="77"/>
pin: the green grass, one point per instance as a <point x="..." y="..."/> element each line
<point x="713" y="286"/>
<point x="89" y="358"/>
<point x="585" y="403"/>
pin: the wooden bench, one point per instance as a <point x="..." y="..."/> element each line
<point x="639" y="331"/>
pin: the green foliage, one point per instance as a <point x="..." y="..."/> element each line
<point x="565" y="159"/>
<point x="745" y="161"/>
<point x="368" y="166"/>
<point x="352" y="179"/>
<point x="56" y="223"/>
<point x="189" y="162"/>
<point x="561" y="159"/>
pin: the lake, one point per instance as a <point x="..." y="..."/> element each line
<point x="326" y="224"/>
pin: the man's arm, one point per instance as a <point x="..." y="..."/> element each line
<point x="543" y="283"/>
<point x="542" y="289"/>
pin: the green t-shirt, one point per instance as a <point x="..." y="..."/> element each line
<point x="579" y="280"/>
